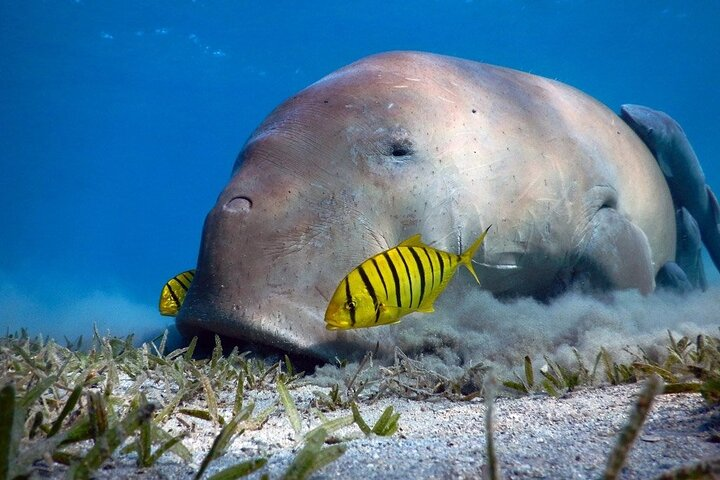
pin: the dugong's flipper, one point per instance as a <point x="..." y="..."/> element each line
<point x="673" y="152"/>
<point x="672" y="277"/>
<point x="688" y="253"/>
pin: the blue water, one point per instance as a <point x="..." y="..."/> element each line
<point x="120" y="121"/>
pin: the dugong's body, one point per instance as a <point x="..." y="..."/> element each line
<point x="404" y="143"/>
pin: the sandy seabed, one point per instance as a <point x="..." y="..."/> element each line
<point x="536" y="436"/>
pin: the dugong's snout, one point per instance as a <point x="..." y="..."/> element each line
<point x="258" y="279"/>
<point x="209" y="303"/>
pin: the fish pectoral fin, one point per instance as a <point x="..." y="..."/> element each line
<point x="413" y="241"/>
<point x="390" y="314"/>
<point x="388" y="309"/>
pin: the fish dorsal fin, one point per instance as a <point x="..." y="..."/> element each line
<point x="413" y="241"/>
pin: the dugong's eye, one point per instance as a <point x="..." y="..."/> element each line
<point x="350" y="305"/>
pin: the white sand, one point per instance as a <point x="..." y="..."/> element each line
<point x="536" y="437"/>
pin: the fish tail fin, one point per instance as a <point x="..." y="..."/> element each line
<point x="467" y="255"/>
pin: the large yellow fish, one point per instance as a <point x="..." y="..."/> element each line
<point x="174" y="291"/>
<point x="405" y="279"/>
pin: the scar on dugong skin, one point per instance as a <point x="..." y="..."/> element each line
<point x="403" y="143"/>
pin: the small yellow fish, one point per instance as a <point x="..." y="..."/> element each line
<point x="174" y="291"/>
<point x="405" y="279"/>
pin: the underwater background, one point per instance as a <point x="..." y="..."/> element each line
<point x="120" y="120"/>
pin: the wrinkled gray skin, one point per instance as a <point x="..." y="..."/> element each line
<point x="404" y="143"/>
<point x="698" y="211"/>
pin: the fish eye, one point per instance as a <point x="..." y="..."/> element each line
<point x="350" y="305"/>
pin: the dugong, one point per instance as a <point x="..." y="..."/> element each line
<point x="698" y="211"/>
<point x="403" y="143"/>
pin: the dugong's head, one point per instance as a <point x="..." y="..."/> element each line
<point x="332" y="176"/>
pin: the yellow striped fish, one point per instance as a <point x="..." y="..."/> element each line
<point x="174" y="291"/>
<point x="405" y="279"/>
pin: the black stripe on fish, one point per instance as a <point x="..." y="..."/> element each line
<point x="348" y="297"/>
<point x="382" y="278"/>
<point x="177" y="280"/>
<point x="432" y="268"/>
<point x="421" y="269"/>
<point x="395" y="276"/>
<point x="172" y="294"/>
<point x="409" y="277"/>
<point x="371" y="291"/>
<point x="442" y="264"/>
